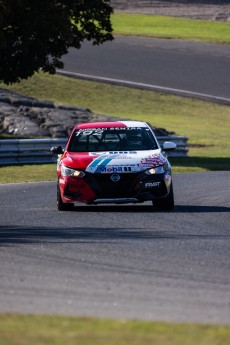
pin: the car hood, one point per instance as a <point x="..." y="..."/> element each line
<point x="109" y="162"/>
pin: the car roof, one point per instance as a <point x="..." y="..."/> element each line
<point x="112" y="124"/>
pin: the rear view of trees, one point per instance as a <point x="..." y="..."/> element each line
<point x="35" y="34"/>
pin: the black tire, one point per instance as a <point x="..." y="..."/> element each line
<point x="166" y="204"/>
<point x="61" y="206"/>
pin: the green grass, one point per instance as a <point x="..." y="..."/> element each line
<point x="169" y="27"/>
<point x="55" y="330"/>
<point x="27" y="173"/>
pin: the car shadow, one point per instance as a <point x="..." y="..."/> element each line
<point x="150" y="209"/>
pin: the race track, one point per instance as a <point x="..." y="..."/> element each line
<point x="118" y="261"/>
<point x="194" y="67"/>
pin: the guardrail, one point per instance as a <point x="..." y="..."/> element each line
<point x="36" y="151"/>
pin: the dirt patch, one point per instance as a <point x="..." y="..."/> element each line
<point x="193" y="9"/>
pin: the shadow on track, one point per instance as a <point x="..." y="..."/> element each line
<point x="200" y="209"/>
<point x="149" y="209"/>
<point x="21" y="235"/>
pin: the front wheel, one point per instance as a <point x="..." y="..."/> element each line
<point x="166" y="204"/>
<point x="60" y="204"/>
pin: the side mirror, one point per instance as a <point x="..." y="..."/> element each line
<point x="56" y="150"/>
<point x="168" y="146"/>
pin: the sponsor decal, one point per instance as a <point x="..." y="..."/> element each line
<point x="152" y="160"/>
<point x="98" y="132"/>
<point x="127" y="169"/>
<point x="117" y="169"/>
<point x="89" y="131"/>
<point x="102" y="164"/>
<point x="123" y="161"/>
<point x="122" y="153"/>
<point x="152" y="184"/>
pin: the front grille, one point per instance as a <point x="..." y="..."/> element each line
<point x="103" y="186"/>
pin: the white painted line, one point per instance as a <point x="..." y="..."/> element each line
<point x="146" y="86"/>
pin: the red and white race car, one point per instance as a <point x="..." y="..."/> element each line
<point x="114" y="162"/>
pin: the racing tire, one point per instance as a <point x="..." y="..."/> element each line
<point x="166" y="204"/>
<point x="61" y="206"/>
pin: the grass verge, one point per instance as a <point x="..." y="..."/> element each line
<point x="169" y="27"/>
<point x="28" y="173"/>
<point x="41" y="330"/>
<point x="207" y="125"/>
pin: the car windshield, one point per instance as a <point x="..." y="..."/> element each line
<point x="112" y="139"/>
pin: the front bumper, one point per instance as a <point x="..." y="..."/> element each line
<point x="130" y="188"/>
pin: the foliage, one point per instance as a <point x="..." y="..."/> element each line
<point x="36" y="34"/>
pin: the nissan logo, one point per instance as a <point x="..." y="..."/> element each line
<point x="115" y="177"/>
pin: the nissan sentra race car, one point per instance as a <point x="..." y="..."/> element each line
<point x="114" y="162"/>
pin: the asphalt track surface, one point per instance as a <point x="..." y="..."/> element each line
<point x="175" y="64"/>
<point x="118" y="261"/>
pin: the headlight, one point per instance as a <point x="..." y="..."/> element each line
<point x="71" y="172"/>
<point x="158" y="170"/>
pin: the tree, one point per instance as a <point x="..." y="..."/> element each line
<point x="35" y="34"/>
